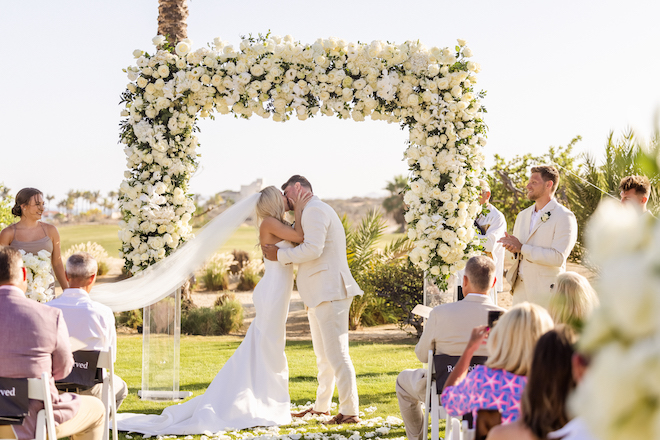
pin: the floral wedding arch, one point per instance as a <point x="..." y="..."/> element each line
<point x="428" y="91"/>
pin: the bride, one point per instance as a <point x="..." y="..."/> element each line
<point x="252" y="388"/>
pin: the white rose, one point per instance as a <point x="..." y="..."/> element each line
<point x="164" y="71"/>
<point x="137" y="53"/>
<point x="461" y="42"/>
<point x="142" y="82"/>
<point x="182" y="48"/>
<point x="467" y="52"/>
<point x="158" y="40"/>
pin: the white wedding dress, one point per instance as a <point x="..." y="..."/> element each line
<point x="252" y="388"/>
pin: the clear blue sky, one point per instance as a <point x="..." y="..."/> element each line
<point x="553" y="70"/>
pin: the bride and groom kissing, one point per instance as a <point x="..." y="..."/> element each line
<point x="252" y="387"/>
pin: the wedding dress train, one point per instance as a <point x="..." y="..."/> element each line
<point x="252" y="388"/>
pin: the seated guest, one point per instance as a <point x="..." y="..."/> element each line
<point x="498" y="384"/>
<point x="89" y="321"/>
<point x="447" y="331"/>
<point x="573" y="300"/>
<point x="35" y="340"/>
<point x="543" y="408"/>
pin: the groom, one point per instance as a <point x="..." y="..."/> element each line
<point x="543" y="236"/>
<point x="327" y="288"/>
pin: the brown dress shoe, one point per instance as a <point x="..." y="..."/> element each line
<point x="310" y="411"/>
<point x="341" y="419"/>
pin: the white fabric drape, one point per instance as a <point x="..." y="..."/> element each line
<point x="163" y="278"/>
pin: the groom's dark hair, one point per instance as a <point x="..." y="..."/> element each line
<point x="298" y="179"/>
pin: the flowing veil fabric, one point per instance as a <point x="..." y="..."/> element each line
<point x="164" y="277"/>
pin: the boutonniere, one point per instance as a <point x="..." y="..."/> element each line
<point x="545" y="217"/>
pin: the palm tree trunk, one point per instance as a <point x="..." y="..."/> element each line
<point x="172" y="16"/>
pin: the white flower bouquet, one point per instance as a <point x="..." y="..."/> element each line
<point x="39" y="275"/>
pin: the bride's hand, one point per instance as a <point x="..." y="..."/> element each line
<point x="299" y="201"/>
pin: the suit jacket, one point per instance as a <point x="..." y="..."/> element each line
<point x="323" y="273"/>
<point x="544" y="249"/>
<point x="448" y="328"/>
<point x="34" y="340"/>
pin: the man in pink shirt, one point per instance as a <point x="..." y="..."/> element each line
<point x="35" y="340"/>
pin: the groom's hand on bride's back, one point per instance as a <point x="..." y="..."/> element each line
<point x="269" y="251"/>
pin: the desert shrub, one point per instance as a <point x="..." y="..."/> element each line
<point x="379" y="312"/>
<point x="241" y="258"/>
<point x="223" y="298"/>
<point x="216" y="272"/>
<point x="400" y="285"/>
<point x="129" y="318"/>
<point x="363" y="257"/>
<point x="251" y="274"/>
<point x="216" y="320"/>
<point x="199" y="321"/>
<point x="229" y="317"/>
<point x="95" y="250"/>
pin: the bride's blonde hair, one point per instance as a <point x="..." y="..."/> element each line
<point x="270" y="204"/>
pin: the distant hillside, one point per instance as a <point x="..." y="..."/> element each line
<point x="355" y="209"/>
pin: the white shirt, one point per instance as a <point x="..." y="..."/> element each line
<point x="89" y="321"/>
<point x="495" y="224"/>
<point x="576" y="429"/>
<point x="535" y="219"/>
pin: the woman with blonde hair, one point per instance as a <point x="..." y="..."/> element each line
<point x="252" y="388"/>
<point x="544" y="402"/>
<point x="500" y="382"/>
<point x="573" y="300"/>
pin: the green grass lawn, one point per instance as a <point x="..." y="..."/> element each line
<point x="245" y="238"/>
<point x="376" y="364"/>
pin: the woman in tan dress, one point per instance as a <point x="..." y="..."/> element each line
<point x="31" y="234"/>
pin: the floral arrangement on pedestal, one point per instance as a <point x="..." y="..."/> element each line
<point x="428" y="91"/>
<point x="39" y="275"/>
<point x="619" y="395"/>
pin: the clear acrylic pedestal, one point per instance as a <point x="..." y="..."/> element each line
<point x="433" y="296"/>
<point x="161" y="334"/>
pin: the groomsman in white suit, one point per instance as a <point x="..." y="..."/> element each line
<point x="327" y="288"/>
<point x="493" y="225"/>
<point x="635" y="191"/>
<point x="543" y="236"/>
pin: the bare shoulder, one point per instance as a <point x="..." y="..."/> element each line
<point x="51" y="230"/>
<point x="511" y="431"/>
<point x="269" y="223"/>
<point x="6" y="236"/>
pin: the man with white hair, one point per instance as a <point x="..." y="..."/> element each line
<point x="89" y="321"/>
<point x="493" y="226"/>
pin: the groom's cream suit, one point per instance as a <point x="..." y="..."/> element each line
<point x="545" y="248"/>
<point x="327" y="288"/>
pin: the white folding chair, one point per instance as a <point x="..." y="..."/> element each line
<point x="108" y="396"/>
<point x="39" y="389"/>
<point x="432" y="405"/>
<point x="455" y="427"/>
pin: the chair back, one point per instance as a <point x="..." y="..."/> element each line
<point x="14" y="401"/>
<point x="107" y="365"/>
<point x="444" y="365"/>
<point x="36" y="389"/>
<point x="84" y="373"/>
<point x="487" y="419"/>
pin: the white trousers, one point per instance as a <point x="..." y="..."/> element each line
<point x="328" y="323"/>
